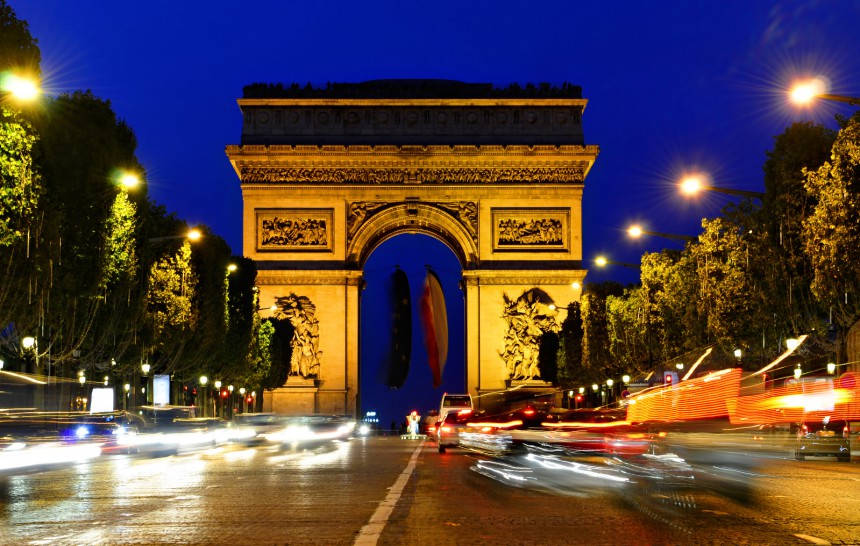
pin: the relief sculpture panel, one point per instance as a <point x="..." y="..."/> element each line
<point x="531" y="229"/>
<point x="294" y="229"/>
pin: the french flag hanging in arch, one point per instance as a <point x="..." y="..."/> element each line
<point x="434" y="319"/>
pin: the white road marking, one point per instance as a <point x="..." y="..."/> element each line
<point x="370" y="533"/>
<point x="814" y="540"/>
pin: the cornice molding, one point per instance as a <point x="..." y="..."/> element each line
<point x="535" y="277"/>
<point x="415" y="103"/>
<point x="309" y="277"/>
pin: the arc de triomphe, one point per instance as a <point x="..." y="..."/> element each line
<point x="329" y="174"/>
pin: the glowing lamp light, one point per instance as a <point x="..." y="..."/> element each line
<point x="217" y="384"/>
<point x="625" y="378"/>
<point x="600" y="261"/>
<point x="594" y="387"/>
<point x="831" y="368"/>
<point x="82" y="379"/>
<point x="581" y="390"/>
<point x="803" y="93"/>
<point x="194" y="234"/>
<point x="203" y="380"/>
<point x="242" y="391"/>
<point x="609" y="382"/>
<point x="791" y="344"/>
<point x="691" y="185"/>
<point x="679" y="365"/>
<point x="129" y="180"/>
<point x="635" y="231"/>
<point x="28" y="342"/>
<point x="20" y="88"/>
<point x="145" y="368"/>
<point x="231" y="268"/>
<point x="126" y="387"/>
<point x="738" y="353"/>
<point x="797" y="372"/>
<point x="575" y="285"/>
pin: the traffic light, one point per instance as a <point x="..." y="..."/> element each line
<point x="668" y="379"/>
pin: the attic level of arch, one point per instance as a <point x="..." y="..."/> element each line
<point x="418" y="122"/>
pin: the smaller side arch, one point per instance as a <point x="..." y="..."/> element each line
<point x="412" y="218"/>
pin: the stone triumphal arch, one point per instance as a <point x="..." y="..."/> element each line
<point x="329" y="174"/>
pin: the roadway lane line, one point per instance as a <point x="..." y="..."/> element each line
<point x="370" y="533"/>
<point x="812" y="539"/>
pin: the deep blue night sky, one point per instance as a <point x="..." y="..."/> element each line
<point x="671" y="86"/>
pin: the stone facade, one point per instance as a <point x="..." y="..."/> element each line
<point x="327" y="179"/>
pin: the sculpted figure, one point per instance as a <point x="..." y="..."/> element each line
<point x="528" y="317"/>
<point x="305" y="343"/>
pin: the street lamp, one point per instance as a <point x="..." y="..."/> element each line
<point x="636" y="232"/>
<point x="625" y="378"/>
<point x="694" y="183"/>
<point x="803" y="93"/>
<point x="21" y="88"/>
<point x="193" y="234"/>
<point x="831" y="368"/>
<point x="129" y="180"/>
<point x="797" y="372"/>
<point x="602" y="261"/>
<point x="30" y="343"/>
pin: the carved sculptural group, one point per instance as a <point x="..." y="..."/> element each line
<point x="528" y="317"/>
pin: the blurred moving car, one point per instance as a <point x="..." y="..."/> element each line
<point x="430" y="422"/>
<point x="823" y="438"/>
<point x="600" y="431"/>
<point x="448" y="433"/>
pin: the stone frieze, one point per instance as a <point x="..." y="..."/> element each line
<point x="280" y="175"/>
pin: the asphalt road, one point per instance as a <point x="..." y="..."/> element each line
<point x="391" y="491"/>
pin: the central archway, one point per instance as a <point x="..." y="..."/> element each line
<point x="411" y="253"/>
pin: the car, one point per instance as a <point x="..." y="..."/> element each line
<point x="162" y="417"/>
<point x="599" y="432"/>
<point x="448" y="433"/>
<point x="824" y="438"/>
<point x="429" y="423"/>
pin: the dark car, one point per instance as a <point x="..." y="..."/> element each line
<point x="823" y="438"/>
<point x="448" y="434"/>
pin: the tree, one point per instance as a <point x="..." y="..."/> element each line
<point x="19" y="51"/>
<point x="832" y="231"/>
<point x="596" y="355"/>
<point x="786" y="275"/>
<point x="569" y="355"/>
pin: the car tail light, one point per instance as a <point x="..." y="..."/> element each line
<point x="446" y="429"/>
<point x="529" y="411"/>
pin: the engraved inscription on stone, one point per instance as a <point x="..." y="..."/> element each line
<point x="294" y="229"/>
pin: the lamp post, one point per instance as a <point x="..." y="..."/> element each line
<point x="145" y="367"/>
<point x="203" y="381"/>
<point x="602" y="261"/>
<point x="805" y="92"/>
<point x="18" y="87"/>
<point x="695" y="183"/>
<point x="193" y="235"/>
<point x="636" y="231"/>
<point x="31" y="344"/>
